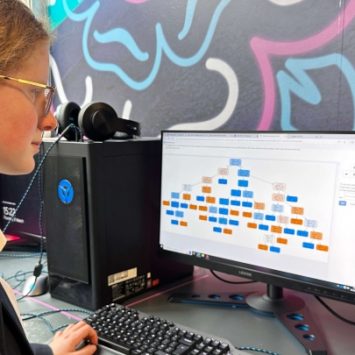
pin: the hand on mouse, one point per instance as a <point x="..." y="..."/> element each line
<point x="65" y="342"/>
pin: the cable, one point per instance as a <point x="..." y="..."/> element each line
<point x="337" y="315"/>
<point x="248" y="348"/>
<point x="29" y="291"/>
<point x="46" y="313"/>
<point x="38" y="268"/>
<point x="18" y="274"/>
<point x="21" y="256"/>
<point x="34" y="177"/>
<point x="256" y="349"/>
<point x="230" y="282"/>
<point x="46" y="321"/>
<point x="19" y="284"/>
<point x="40" y="217"/>
<point x="42" y="315"/>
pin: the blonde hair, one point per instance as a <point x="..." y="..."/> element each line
<point x="20" y="32"/>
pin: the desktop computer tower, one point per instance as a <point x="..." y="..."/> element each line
<point x="102" y="203"/>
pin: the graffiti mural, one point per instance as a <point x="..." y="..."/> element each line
<point x="217" y="64"/>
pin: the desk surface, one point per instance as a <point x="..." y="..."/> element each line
<point x="241" y="326"/>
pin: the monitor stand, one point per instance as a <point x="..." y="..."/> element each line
<point x="274" y="301"/>
<point x="290" y="310"/>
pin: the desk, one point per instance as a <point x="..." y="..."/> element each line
<point x="239" y="326"/>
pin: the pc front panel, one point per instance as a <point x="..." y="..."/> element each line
<point x="102" y="221"/>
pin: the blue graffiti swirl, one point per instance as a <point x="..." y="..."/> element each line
<point x="122" y="36"/>
<point x="300" y="84"/>
<point x="190" y="12"/>
<point x="162" y="46"/>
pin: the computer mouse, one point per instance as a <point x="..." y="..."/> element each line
<point x="35" y="287"/>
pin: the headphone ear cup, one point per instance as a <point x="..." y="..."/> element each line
<point x="67" y="114"/>
<point x="97" y="121"/>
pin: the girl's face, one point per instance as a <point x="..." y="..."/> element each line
<point x="21" y="114"/>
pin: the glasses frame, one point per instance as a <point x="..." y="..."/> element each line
<point x="49" y="96"/>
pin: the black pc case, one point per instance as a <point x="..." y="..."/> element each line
<point x="102" y="221"/>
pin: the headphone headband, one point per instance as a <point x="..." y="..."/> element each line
<point x="97" y="120"/>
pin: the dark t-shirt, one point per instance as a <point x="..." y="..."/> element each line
<point x="13" y="340"/>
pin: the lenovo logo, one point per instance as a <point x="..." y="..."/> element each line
<point x="245" y="273"/>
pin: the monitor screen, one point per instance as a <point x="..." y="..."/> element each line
<point x="277" y="207"/>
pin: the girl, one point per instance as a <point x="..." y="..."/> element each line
<point x="25" y="99"/>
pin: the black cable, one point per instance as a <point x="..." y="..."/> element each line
<point x="29" y="291"/>
<point x="15" y="255"/>
<point x="35" y="176"/>
<point x="46" y="313"/>
<point x="78" y="134"/>
<point x="256" y="349"/>
<point x="46" y="321"/>
<point x="230" y="282"/>
<point x="337" y="315"/>
<point x="40" y="217"/>
<point x="19" y="284"/>
<point x="38" y="268"/>
<point x="17" y="275"/>
<point x="21" y="280"/>
<point x="42" y="315"/>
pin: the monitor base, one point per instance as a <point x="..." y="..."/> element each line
<point x="290" y="310"/>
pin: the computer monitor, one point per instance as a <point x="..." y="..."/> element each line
<point x="276" y="207"/>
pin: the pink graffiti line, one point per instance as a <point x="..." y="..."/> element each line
<point x="263" y="49"/>
<point x="136" y="1"/>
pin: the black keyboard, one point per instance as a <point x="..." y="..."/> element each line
<point x="129" y="331"/>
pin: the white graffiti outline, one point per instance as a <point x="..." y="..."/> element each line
<point x="127" y="108"/>
<point x="231" y="78"/>
<point x="59" y="84"/>
<point x="89" y="89"/>
<point x="285" y="2"/>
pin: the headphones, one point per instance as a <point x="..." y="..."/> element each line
<point x="97" y="121"/>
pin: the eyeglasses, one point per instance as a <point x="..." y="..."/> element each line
<point x="47" y="90"/>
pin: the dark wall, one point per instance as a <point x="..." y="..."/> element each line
<point x="210" y="64"/>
